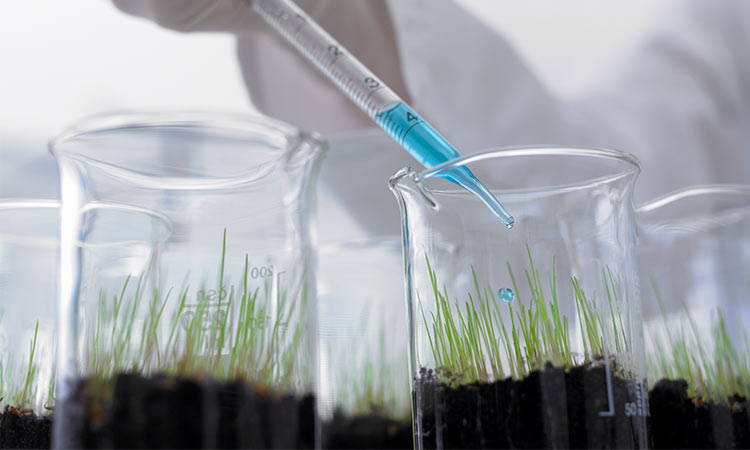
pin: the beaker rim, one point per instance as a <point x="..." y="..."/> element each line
<point x="33" y="213"/>
<point x="51" y="206"/>
<point x="133" y="118"/>
<point x="695" y="209"/>
<point x="633" y="166"/>
<point x="627" y="167"/>
<point x="740" y="190"/>
<point x="387" y="242"/>
<point x="28" y="203"/>
<point x="281" y="136"/>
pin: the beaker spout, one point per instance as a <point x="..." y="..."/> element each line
<point x="405" y="184"/>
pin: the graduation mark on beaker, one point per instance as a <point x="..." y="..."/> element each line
<point x="610" y="412"/>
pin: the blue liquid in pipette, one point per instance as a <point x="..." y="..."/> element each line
<point x="431" y="149"/>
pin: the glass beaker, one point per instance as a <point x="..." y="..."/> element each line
<point x="530" y="337"/>
<point x="694" y="261"/>
<point x="211" y="343"/>
<point x="29" y="231"/>
<point x="28" y="265"/>
<point x="364" y="386"/>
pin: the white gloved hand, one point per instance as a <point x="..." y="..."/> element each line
<point x="284" y="85"/>
<point x="194" y="15"/>
<point x="281" y="82"/>
<point x="234" y="16"/>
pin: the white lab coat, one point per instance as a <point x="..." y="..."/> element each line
<point x="680" y="101"/>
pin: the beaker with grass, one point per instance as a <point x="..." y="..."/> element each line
<point x="28" y="263"/>
<point x="694" y="261"/>
<point x="364" y="383"/>
<point x="530" y="337"/>
<point x="211" y="343"/>
<point x="29" y="232"/>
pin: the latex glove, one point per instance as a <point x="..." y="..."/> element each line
<point x="281" y="83"/>
<point x="233" y="16"/>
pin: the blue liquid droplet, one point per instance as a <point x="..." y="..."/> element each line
<point x="506" y="295"/>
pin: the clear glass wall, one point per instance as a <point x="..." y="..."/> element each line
<point x="364" y="395"/>
<point x="28" y="267"/>
<point x="530" y="337"/>
<point x="694" y="259"/>
<point x="208" y="339"/>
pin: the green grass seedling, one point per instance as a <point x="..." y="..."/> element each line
<point x="19" y="379"/>
<point x="715" y="365"/>
<point x="368" y="378"/>
<point x="472" y="342"/>
<point x="256" y="335"/>
<point x="31" y="372"/>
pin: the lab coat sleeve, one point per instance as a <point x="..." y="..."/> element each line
<point x="469" y="82"/>
<point x="679" y="102"/>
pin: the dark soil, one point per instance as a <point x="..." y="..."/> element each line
<point x="550" y="408"/>
<point x="24" y="429"/>
<point x="678" y="421"/>
<point x="166" y="412"/>
<point x="367" y="432"/>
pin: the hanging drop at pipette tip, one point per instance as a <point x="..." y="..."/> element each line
<point x="509" y="222"/>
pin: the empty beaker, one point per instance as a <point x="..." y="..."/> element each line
<point x="364" y="381"/>
<point x="210" y="339"/>
<point x="530" y="337"/>
<point x="694" y="260"/>
<point x="28" y="265"/>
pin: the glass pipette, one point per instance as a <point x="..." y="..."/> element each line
<point x="369" y="93"/>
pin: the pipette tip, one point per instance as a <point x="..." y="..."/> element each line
<point x="509" y="222"/>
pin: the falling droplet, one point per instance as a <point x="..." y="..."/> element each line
<point x="506" y="295"/>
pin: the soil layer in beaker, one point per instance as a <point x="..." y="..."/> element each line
<point x="167" y="412"/>
<point x="678" y="421"/>
<point x="367" y="431"/>
<point x="550" y="408"/>
<point x="24" y="429"/>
